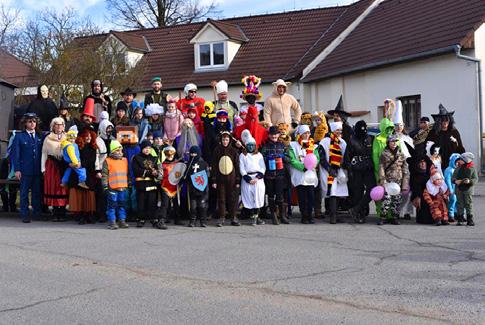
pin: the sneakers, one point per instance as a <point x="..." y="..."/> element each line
<point x="254" y="221"/>
<point x="394" y="221"/>
<point x="112" y="225"/>
<point x="437" y="223"/>
<point x="123" y="224"/>
<point x="140" y="223"/>
<point x="260" y="221"/>
<point x="161" y="225"/>
<point x="235" y="222"/>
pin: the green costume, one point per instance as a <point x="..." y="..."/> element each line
<point x="380" y="142"/>
<point x="464" y="191"/>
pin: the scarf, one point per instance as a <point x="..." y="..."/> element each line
<point x="308" y="145"/>
<point x="335" y="157"/>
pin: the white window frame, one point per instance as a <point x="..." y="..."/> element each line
<point x="212" y="66"/>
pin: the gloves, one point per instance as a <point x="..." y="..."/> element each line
<point x="247" y="178"/>
<point x="259" y="175"/>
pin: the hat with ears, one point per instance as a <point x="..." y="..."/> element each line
<point x="281" y="82"/>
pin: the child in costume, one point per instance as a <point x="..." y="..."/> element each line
<point x="115" y="182"/>
<point x="154" y="114"/>
<point x="320" y="128"/>
<point x="172" y="123"/>
<point x="436" y="195"/>
<point x="252" y="169"/>
<point x="455" y="160"/>
<point x="169" y="192"/>
<point x="465" y="177"/>
<point x="225" y="177"/>
<point x="188" y="138"/>
<point x="393" y="168"/>
<point x="275" y="156"/>
<point x="147" y="173"/>
<point x="70" y="152"/>
<point x="197" y="179"/>
<point x="198" y="123"/>
<point x="434" y="155"/>
<point x="333" y="178"/>
<point x="302" y="179"/>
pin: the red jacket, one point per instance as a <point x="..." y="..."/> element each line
<point x="184" y="104"/>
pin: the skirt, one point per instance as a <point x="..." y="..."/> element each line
<point x="81" y="200"/>
<point x="54" y="194"/>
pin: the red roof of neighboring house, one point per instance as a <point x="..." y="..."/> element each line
<point x="15" y="71"/>
<point x="273" y="45"/>
<point x="397" y="29"/>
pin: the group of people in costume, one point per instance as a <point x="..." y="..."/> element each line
<point x="170" y="158"/>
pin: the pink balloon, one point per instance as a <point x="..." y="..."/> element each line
<point x="310" y="161"/>
<point x="377" y="193"/>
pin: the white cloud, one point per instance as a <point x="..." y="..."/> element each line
<point x="35" y="5"/>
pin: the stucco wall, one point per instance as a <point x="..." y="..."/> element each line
<point x="6" y="110"/>
<point x="443" y="79"/>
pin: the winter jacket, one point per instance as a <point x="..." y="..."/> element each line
<point x="172" y="125"/>
<point x="463" y="172"/>
<point x="358" y="155"/>
<point x="272" y="151"/>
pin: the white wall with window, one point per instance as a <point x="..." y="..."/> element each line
<point x="212" y="49"/>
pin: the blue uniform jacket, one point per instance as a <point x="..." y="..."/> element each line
<point x="26" y="153"/>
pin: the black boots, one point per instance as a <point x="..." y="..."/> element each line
<point x="161" y="224"/>
<point x="282" y="208"/>
<point x="272" y="211"/>
<point x="460" y="220"/>
<point x="469" y="221"/>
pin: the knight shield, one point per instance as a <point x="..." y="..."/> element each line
<point x="200" y="180"/>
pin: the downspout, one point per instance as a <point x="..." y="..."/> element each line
<point x="480" y="95"/>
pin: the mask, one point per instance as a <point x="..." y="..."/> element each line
<point x="44" y="91"/>
<point x="251" y="100"/>
<point x="250" y="147"/>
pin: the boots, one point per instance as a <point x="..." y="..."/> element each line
<point x="235" y="222"/>
<point x="203" y="216"/>
<point x="460" y="220"/>
<point x="282" y="213"/>
<point x="140" y="223"/>
<point x="469" y="221"/>
<point x="161" y="224"/>
<point x="192" y="222"/>
<point x="272" y="211"/>
<point x="122" y="224"/>
<point x="4" y="196"/>
<point x="254" y="220"/>
<point x="221" y="221"/>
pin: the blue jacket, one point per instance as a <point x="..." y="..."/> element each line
<point x="26" y="153"/>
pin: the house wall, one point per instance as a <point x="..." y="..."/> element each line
<point x="6" y="110"/>
<point x="444" y="79"/>
<point x="132" y="58"/>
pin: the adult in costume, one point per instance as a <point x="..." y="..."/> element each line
<point x="420" y="134"/>
<point x="102" y="102"/>
<point x="53" y="166"/>
<point x="43" y="107"/>
<point x="358" y="162"/>
<point x="222" y="102"/>
<point x="279" y="106"/>
<point x="191" y="100"/>
<point x="445" y="135"/>
<point x="26" y="160"/>
<point x="340" y="115"/>
<point x="333" y="177"/>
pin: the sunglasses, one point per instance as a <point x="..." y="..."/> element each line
<point x="192" y="91"/>
<point x="31" y="121"/>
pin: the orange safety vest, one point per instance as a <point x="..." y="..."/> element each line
<point x="117" y="173"/>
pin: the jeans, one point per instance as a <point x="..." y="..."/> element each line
<point x="116" y="204"/>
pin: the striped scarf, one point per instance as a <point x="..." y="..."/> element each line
<point x="335" y="156"/>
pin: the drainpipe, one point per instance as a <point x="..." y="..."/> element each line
<point x="480" y="95"/>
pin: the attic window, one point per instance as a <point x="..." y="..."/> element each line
<point x="211" y="55"/>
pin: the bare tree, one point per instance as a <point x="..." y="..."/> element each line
<point x="9" y="18"/>
<point x="158" y="13"/>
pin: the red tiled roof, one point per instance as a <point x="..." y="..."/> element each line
<point x="401" y="28"/>
<point x="278" y="45"/>
<point x="232" y="31"/>
<point x="15" y="71"/>
<point x="132" y="41"/>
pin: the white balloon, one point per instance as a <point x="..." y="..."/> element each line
<point x="392" y="188"/>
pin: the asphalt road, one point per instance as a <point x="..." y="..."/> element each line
<point x="64" y="273"/>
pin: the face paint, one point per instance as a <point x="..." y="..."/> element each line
<point x="250" y="147"/>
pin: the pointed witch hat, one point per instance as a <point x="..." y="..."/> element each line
<point x="339" y="109"/>
<point x="442" y="112"/>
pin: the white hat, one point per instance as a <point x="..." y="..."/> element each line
<point x="336" y="126"/>
<point x="398" y="113"/>
<point x="103" y="116"/>
<point x="246" y="137"/>
<point x="189" y="87"/>
<point x="302" y="129"/>
<point x="281" y="82"/>
<point x="153" y="109"/>
<point x="221" y="87"/>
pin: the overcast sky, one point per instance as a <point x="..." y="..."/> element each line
<point x="97" y="10"/>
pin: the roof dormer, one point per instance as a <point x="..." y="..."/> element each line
<point x="128" y="47"/>
<point x="216" y="44"/>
